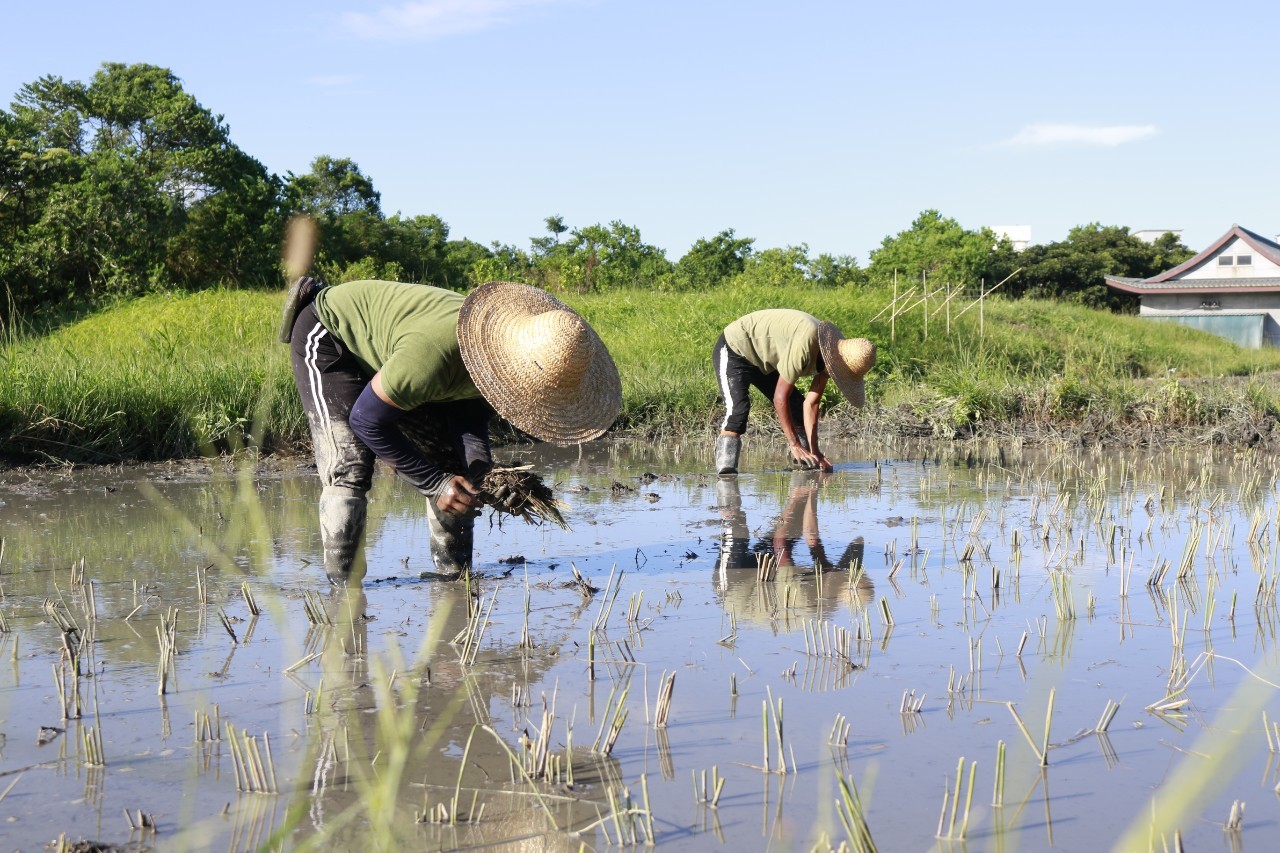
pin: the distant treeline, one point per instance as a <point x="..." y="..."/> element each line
<point x="127" y="185"/>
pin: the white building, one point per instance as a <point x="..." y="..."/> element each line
<point x="1231" y="289"/>
<point x="1150" y="235"/>
<point x="1019" y="235"/>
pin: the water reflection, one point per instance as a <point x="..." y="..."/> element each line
<point x="433" y="728"/>
<point x="799" y="585"/>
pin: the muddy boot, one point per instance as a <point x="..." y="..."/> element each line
<point x="342" y="517"/>
<point x="452" y="537"/>
<point x="727" y="449"/>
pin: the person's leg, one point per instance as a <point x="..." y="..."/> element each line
<point x="452" y="536"/>
<point x="733" y="378"/>
<point x="329" y="381"/>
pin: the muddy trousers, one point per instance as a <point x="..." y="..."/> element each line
<point x="734" y="378"/>
<point x="329" y="381"/>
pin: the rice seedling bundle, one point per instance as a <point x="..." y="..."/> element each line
<point x="522" y="493"/>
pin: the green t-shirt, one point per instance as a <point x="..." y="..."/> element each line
<point x="777" y="340"/>
<point x="409" y="332"/>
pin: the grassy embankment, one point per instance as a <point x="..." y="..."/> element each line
<point x="172" y="376"/>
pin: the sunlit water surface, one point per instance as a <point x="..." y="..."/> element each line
<point x="981" y="582"/>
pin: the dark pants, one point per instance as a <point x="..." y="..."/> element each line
<point x="735" y="376"/>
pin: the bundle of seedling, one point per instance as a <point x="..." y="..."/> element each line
<point x="520" y="492"/>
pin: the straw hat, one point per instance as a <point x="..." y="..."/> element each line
<point x="538" y="363"/>
<point x="846" y="360"/>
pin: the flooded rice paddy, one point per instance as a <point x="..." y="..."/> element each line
<point x="986" y="649"/>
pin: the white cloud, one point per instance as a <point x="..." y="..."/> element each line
<point x="423" y="20"/>
<point x="1106" y="136"/>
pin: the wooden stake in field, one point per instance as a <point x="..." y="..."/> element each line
<point x="924" y="283"/>
<point x="893" y="311"/>
<point x="983" y="293"/>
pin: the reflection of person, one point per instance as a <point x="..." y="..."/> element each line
<point x="772" y="350"/>
<point x="798" y="520"/>
<point x="374" y="359"/>
<point x="793" y="589"/>
<point x="428" y="711"/>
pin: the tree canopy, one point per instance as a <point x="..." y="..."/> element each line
<point x="125" y="184"/>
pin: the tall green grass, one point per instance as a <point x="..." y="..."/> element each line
<point x="178" y="375"/>
<point x="157" y="377"/>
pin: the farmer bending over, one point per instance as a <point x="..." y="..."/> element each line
<point x="379" y="362"/>
<point x="772" y="350"/>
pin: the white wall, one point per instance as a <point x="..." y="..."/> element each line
<point x="1166" y="304"/>
<point x="1260" y="268"/>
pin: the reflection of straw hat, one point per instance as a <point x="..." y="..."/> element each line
<point x="846" y="360"/>
<point x="538" y="362"/>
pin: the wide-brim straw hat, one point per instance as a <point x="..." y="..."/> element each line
<point x="538" y="363"/>
<point x="847" y="360"/>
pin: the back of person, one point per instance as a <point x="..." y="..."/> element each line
<point x="777" y="340"/>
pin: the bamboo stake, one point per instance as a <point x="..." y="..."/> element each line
<point x="988" y="292"/>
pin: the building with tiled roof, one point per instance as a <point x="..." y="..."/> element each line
<point x="1231" y="289"/>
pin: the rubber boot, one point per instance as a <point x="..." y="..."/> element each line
<point x="727" y="449"/>
<point x="342" y="517"/>
<point x="452" y="540"/>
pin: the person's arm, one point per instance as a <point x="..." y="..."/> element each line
<point x="375" y="420"/>
<point x="812" y="412"/>
<point x="781" y="398"/>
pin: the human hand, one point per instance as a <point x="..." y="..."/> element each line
<point x="824" y="464"/>
<point x="459" y="497"/>
<point x="805" y="458"/>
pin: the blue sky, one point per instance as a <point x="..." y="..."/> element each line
<point x="828" y="123"/>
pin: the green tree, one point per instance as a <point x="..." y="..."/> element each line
<point x="1074" y="269"/>
<point x="504" y="263"/>
<point x="599" y="258"/>
<point x="835" y="271"/>
<point x="334" y="187"/>
<point x="549" y="245"/>
<point x="777" y="267"/>
<point x="941" y="249"/>
<point x="713" y="261"/>
<point x="555" y="224"/>
<point x="126" y="184"/>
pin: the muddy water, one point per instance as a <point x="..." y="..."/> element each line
<point x="373" y="717"/>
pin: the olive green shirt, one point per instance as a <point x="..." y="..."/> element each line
<point x="408" y="332"/>
<point x="777" y="340"/>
